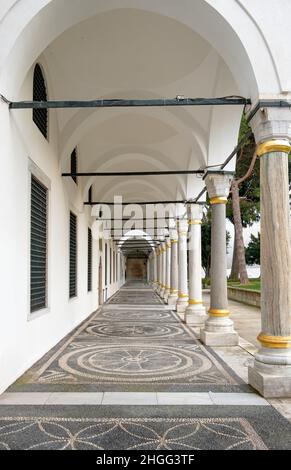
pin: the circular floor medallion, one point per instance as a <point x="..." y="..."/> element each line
<point x="133" y="363"/>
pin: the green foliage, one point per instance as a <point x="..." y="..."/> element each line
<point x="255" y="284"/>
<point x="249" y="189"/>
<point x="253" y="250"/>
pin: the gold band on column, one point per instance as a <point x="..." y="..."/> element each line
<point x="195" y="302"/>
<point x="174" y="291"/>
<point x="168" y="245"/>
<point x="174" y="241"/>
<point x="183" y="296"/>
<point x="275" y="145"/>
<point x="195" y="222"/>
<point x="218" y="200"/>
<point x="218" y="312"/>
<point x="276" y="342"/>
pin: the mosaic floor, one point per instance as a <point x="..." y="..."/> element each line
<point x="192" y="428"/>
<point x="131" y="348"/>
<point x="133" y="376"/>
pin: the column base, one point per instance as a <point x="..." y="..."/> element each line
<point x="162" y="292"/>
<point x="166" y="295"/>
<point x="172" y="300"/>
<point x="182" y="304"/>
<point x="270" y="374"/>
<point x="219" y="332"/>
<point x="195" y="315"/>
<point x="270" y="380"/>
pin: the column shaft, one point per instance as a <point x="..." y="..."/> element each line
<point x="218" y="296"/>
<point x="173" y="297"/>
<point x="219" y="327"/>
<point x="164" y="267"/>
<point x="271" y="372"/>
<point x="195" y="312"/>
<point x="182" y="302"/>
<point x="168" y="271"/>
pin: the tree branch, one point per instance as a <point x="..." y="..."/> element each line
<point x="249" y="171"/>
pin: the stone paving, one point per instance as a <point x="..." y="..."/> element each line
<point x="133" y="376"/>
<point x="128" y="347"/>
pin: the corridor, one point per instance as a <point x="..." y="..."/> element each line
<point x="112" y="384"/>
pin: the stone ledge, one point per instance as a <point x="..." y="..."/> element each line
<point x="245" y="296"/>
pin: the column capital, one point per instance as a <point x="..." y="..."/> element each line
<point x="195" y="213"/>
<point x="182" y="226"/>
<point x="218" y="184"/>
<point x="173" y="235"/>
<point x="271" y="123"/>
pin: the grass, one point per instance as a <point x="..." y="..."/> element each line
<point x="255" y="284"/>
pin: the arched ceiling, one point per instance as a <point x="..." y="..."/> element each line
<point x="130" y="53"/>
<point x="145" y="49"/>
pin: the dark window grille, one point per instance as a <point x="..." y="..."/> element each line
<point x="40" y="116"/>
<point x="73" y="256"/>
<point x="74" y="164"/>
<point x="89" y="260"/>
<point x="90" y="194"/>
<point x="38" y="245"/>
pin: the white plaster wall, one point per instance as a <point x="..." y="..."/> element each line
<point x="24" y="338"/>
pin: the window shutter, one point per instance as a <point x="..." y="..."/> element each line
<point x="73" y="255"/>
<point x="89" y="260"/>
<point x="38" y="246"/>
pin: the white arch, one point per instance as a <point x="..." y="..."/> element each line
<point x="232" y="31"/>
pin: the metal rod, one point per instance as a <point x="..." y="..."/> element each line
<point x="135" y="173"/>
<point x="135" y="244"/>
<point x="236" y="149"/>
<point x="152" y="239"/>
<point x="88" y="203"/>
<point x="136" y="247"/>
<point x="117" y="103"/>
<point x="143" y="228"/>
<point x="200" y="194"/>
<point x="268" y="104"/>
<point x="228" y="159"/>
<point x="133" y="220"/>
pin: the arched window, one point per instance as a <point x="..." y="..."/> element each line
<point x="74" y="164"/>
<point x="40" y="116"/>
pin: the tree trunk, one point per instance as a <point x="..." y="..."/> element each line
<point x="239" y="245"/>
<point x="234" y="275"/>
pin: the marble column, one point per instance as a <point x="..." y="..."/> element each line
<point x="195" y="312"/>
<point x="158" y="269"/>
<point x="173" y="297"/>
<point x="155" y="270"/>
<point x="162" y="292"/>
<point x="168" y="270"/>
<point x="271" y="372"/>
<point x="161" y="259"/>
<point x="218" y="329"/>
<point x="149" y="267"/>
<point x="183" y="296"/>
